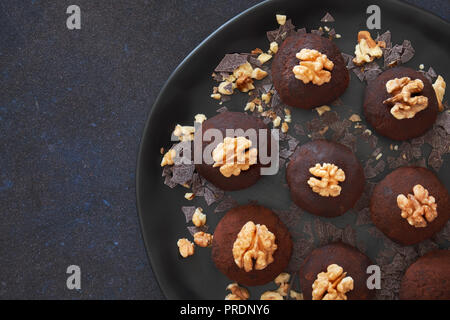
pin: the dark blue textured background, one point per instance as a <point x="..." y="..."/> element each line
<point x="73" y="105"/>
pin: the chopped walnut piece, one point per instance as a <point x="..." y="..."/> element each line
<point x="168" y="157"/>
<point x="234" y="155"/>
<point x="203" y="239"/>
<point x="367" y="49"/>
<point x="216" y="96"/>
<point x="281" y="19"/>
<point x="264" y="57"/>
<point x="283" y="283"/>
<point x="313" y="67"/>
<point x="405" y="106"/>
<point x="185" y="247"/>
<point x="418" y="208"/>
<point x="243" y="75"/>
<point x="271" y="295"/>
<point x="237" y="292"/>
<point x="273" y="47"/>
<point x="254" y="242"/>
<point x="295" y="295"/>
<point x="439" y="87"/>
<point x="284" y="127"/>
<point x="330" y="176"/>
<point x="266" y="97"/>
<point x="276" y="122"/>
<point x="200" y="117"/>
<point x="199" y="218"/>
<point x="332" y="285"/>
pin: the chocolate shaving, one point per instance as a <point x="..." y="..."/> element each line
<point x="222" y="109"/>
<point x="327" y="18"/>
<point x="230" y="62"/>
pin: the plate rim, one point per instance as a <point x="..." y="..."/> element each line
<point x="139" y="161"/>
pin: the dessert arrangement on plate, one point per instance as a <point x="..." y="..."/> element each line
<point x="408" y="210"/>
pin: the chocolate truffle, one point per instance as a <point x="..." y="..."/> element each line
<point x="428" y="278"/>
<point x="353" y="262"/>
<point x="295" y="92"/>
<point x="226" y="233"/>
<point x="233" y="120"/>
<point x="386" y="214"/>
<point x="324" y="152"/>
<point x="379" y="116"/>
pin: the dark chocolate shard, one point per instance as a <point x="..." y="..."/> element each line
<point x="226" y="204"/>
<point x="182" y="173"/>
<point x="301" y="31"/>
<point x="193" y="229"/>
<point x="222" y="109"/>
<point x="231" y="61"/>
<point x="327" y="18"/>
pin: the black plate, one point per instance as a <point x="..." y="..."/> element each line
<point x="187" y="91"/>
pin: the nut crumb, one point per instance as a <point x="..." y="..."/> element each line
<point x="418" y="208"/>
<point x="295" y="295"/>
<point x="354" y="118"/>
<point x="216" y="96"/>
<point x="276" y="122"/>
<point x="284" y="127"/>
<point x="234" y="155"/>
<point x="254" y="242"/>
<point x="271" y="295"/>
<point x="189" y="195"/>
<point x="264" y="57"/>
<point x="273" y="47"/>
<point x="168" y="158"/>
<point x="258" y="74"/>
<point x="406" y="103"/>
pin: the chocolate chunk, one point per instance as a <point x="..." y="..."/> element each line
<point x="298" y="129"/>
<point x="327" y="18"/>
<point x="332" y="33"/>
<point x="386" y="37"/>
<point x="408" y="51"/>
<point x="230" y="62"/>
<point x="301" y="31"/>
<point x="222" y="109"/>
<point x="359" y="73"/>
<point x="182" y="173"/>
<point x="444" y="121"/>
<point x="193" y="229"/>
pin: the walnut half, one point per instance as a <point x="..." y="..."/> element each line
<point x="330" y="175"/>
<point x="313" y="67"/>
<point x="405" y="105"/>
<point x="254" y="242"/>
<point x="418" y="208"/>
<point x="234" y="155"/>
<point x="332" y="285"/>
